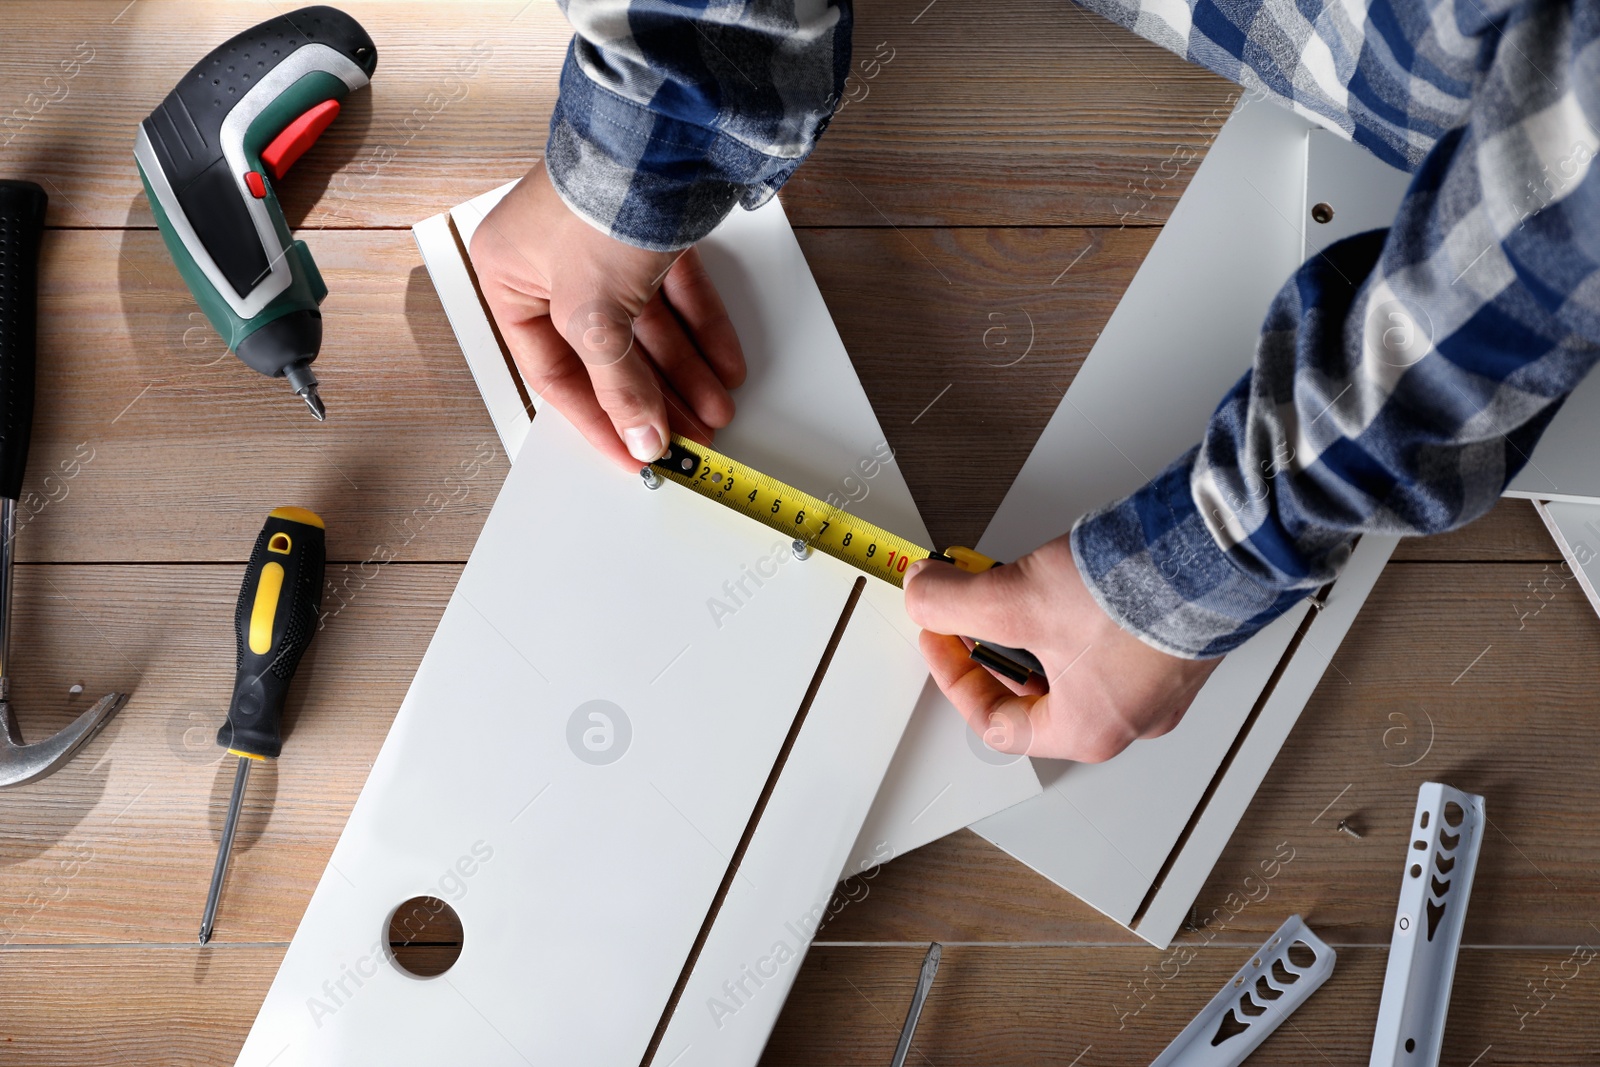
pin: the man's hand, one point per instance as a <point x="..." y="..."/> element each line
<point x="628" y="344"/>
<point x="1106" y="688"/>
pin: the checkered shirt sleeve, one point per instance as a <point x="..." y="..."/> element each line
<point x="1403" y="376"/>
<point x="672" y="111"/>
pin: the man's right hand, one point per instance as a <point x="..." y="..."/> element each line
<point x="630" y="345"/>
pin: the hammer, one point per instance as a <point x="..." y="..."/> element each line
<point x="22" y="206"/>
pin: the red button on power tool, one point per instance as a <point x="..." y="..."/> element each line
<point x="258" y="188"/>
<point x="298" y="136"/>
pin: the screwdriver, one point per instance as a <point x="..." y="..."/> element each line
<point x="274" y="622"/>
<point x="209" y="156"/>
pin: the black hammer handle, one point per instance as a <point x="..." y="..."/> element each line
<point x="22" y="207"/>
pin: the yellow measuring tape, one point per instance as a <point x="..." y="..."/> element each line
<point x="799" y="515"/>
<point x="817" y="524"/>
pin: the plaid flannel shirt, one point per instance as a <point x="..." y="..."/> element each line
<point x="670" y="113"/>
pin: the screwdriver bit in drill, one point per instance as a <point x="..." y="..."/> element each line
<point x="273" y="624"/>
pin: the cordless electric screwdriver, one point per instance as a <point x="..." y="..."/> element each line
<point x="208" y="157"/>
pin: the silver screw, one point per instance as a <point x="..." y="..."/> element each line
<point x="651" y="479"/>
<point x="1344" y="827"/>
<point x="801" y="549"/>
<point x="75" y="690"/>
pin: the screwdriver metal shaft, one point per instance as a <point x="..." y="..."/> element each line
<point x="229" y="825"/>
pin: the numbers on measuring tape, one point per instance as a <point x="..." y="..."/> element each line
<point x="805" y="518"/>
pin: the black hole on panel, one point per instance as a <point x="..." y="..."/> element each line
<point x="1439" y="888"/>
<point x="1301" y="955"/>
<point x="1449" y="841"/>
<point x="1445" y="863"/>
<point x="1265" y="990"/>
<point x="1283" y="975"/>
<point x="1435" y="913"/>
<point x="1453" y="814"/>
<point x="1250" y="1007"/>
<point x="1424" y="823"/>
<point x="1230" y="1027"/>
<point x="1416" y="870"/>
<point x="1411" y="1044"/>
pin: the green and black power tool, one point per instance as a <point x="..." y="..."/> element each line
<point x="208" y="157"/>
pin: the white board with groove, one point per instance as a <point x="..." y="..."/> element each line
<point x="942" y="778"/>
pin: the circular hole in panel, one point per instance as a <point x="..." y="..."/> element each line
<point x="424" y="937"/>
<point x="1453" y="814"/>
<point x="1411" y="1044"/>
<point x="1416" y="870"/>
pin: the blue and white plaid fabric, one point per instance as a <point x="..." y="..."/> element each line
<point x="672" y="111"/>
<point x="1404" y="376"/>
<point x="1401" y="378"/>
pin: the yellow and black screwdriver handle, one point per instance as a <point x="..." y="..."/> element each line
<point x="279" y="604"/>
<point x="827" y="528"/>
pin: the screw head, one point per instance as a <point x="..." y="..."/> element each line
<point x="1322" y="213"/>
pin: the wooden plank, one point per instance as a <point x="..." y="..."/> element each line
<point x="966" y="343"/>
<point x="1016" y="113"/>
<point x="1010" y="1004"/>
<point x="151" y="442"/>
<point x="1510" y="725"/>
<point x="182" y="1007"/>
<point x="118" y="845"/>
<point x="1025" y="112"/>
<point x="1037" y="1005"/>
<point x="1511" y="531"/>
<point x="145" y="423"/>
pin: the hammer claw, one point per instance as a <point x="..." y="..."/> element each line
<point x="20" y="763"/>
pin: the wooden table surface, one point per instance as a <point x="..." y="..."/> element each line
<point x="1001" y="143"/>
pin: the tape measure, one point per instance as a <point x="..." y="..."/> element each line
<point x="816" y="524"/>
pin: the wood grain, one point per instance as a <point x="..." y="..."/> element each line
<point x="998" y="179"/>
<point x="965" y="341"/>
<point x="1014" y="112"/>
<point x="151" y="442"/>
<point x="118" y="845"/>
<point x="1015" y="1005"/>
<point x="1037" y="1005"/>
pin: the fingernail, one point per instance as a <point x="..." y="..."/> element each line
<point x="911" y="571"/>
<point x="644" y="444"/>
